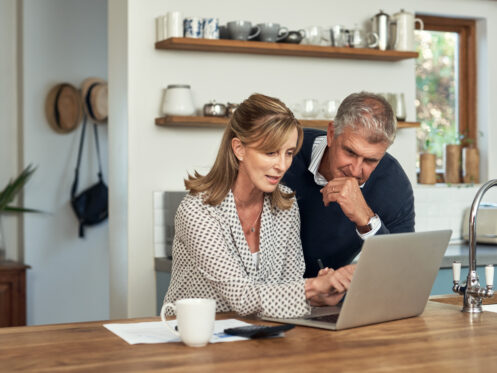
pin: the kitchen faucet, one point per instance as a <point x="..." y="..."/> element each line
<point x="473" y="292"/>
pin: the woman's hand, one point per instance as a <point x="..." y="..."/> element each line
<point x="329" y="286"/>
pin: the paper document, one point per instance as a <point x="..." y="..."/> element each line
<point x="157" y="332"/>
<point x="490" y="307"/>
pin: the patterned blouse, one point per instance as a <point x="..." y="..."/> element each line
<point x="211" y="259"/>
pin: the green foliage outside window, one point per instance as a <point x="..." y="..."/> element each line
<point x="436" y="91"/>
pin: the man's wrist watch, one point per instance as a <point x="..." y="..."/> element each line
<point x="373" y="221"/>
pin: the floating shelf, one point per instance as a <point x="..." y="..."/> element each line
<point x="199" y="122"/>
<point x="281" y="49"/>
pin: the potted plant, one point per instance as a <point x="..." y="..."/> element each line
<point x="7" y="195"/>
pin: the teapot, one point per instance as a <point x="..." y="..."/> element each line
<point x="405" y="22"/>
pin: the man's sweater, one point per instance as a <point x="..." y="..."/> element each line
<point x="326" y="233"/>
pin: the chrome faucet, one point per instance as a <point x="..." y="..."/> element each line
<point x="473" y="292"/>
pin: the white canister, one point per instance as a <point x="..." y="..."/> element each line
<point x="178" y="100"/>
<point x="405" y="22"/>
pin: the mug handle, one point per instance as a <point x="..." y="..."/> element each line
<point x="282" y="34"/>
<point x="374" y="44"/>
<point x="420" y="21"/>
<point x="256" y="34"/>
<point x="163" y="310"/>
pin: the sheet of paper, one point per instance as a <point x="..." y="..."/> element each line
<point x="490" y="307"/>
<point x="157" y="332"/>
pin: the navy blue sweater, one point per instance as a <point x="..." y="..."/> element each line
<point x="326" y="233"/>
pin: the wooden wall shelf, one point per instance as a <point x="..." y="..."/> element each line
<point x="199" y="122"/>
<point x="281" y="49"/>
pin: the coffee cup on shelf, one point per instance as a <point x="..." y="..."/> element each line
<point x="272" y="32"/>
<point x="193" y="27"/>
<point x="243" y="30"/>
<point x="210" y="28"/>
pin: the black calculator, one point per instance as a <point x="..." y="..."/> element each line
<point x="258" y="331"/>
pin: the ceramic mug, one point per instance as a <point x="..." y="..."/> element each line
<point x="193" y="27"/>
<point x="242" y="30"/>
<point x="272" y="32"/>
<point x="174" y="25"/>
<point x="195" y="317"/>
<point x="211" y="28"/>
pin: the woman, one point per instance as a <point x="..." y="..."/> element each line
<point x="238" y="231"/>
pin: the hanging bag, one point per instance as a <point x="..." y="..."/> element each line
<point x="91" y="205"/>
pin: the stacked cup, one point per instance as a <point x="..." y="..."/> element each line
<point x="169" y="26"/>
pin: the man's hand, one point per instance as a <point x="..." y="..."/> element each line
<point x="346" y="192"/>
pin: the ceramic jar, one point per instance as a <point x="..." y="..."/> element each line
<point x="178" y="100"/>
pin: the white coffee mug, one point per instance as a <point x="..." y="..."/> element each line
<point x="195" y="319"/>
<point x="174" y="25"/>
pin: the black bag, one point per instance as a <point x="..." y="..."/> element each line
<point x="91" y="205"/>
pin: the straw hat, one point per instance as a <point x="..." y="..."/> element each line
<point x="94" y="92"/>
<point x="63" y="108"/>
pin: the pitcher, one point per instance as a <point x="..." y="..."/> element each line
<point x="405" y="22"/>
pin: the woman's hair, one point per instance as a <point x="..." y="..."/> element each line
<point x="261" y="120"/>
<point x="369" y="112"/>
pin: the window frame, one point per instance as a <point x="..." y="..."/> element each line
<point x="466" y="29"/>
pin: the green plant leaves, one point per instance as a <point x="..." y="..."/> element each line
<point x="10" y="191"/>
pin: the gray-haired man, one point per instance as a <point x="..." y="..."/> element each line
<point x="348" y="187"/>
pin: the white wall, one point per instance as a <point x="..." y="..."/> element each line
<point x="158" y="158"/>
<point x="8" y="123"/>
<point x="63" y="41"/>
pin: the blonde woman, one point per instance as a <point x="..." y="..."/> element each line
<point x="238" y="230"/>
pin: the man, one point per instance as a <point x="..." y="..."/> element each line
<point x="348" y="188"/>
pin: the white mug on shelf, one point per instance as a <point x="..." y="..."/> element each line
<point x="160" y="28"/>
<point x="174" y="25"/>
<point x="195" y="320"/>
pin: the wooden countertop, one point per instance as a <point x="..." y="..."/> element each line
<point x="441" y="339"/>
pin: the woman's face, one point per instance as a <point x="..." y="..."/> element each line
<point x="261" y="169"/>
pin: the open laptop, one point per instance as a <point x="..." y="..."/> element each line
<point x="392" y="280"/>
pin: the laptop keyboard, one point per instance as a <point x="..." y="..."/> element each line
<point x="326" y="318"/>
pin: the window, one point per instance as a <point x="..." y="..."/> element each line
<point x="445" y="84"/>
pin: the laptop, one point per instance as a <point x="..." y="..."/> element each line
<point x="392" y="280"/>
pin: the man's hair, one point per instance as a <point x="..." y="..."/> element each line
<point x="367" y="112"/>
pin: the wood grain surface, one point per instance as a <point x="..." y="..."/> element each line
<point x="282" y="49"/>
<point x="441" y="339"/>
<point x="200" y="121"/>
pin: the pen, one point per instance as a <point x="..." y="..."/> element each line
<point x="320" y="264"/>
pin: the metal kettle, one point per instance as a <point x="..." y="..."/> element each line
<point x="381" y="27"/>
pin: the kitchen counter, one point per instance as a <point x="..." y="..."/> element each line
<point x="442" y="339"/>
<point x="485" y="254"/>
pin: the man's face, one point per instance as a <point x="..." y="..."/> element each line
<point x="351" y="155"/>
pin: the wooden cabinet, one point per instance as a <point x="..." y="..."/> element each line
<point x="12" y="293"/>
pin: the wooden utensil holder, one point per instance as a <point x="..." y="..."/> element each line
<point x="452" y="164"/>
<point x="427" y="168"/>
<point x="471" y="165"/>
